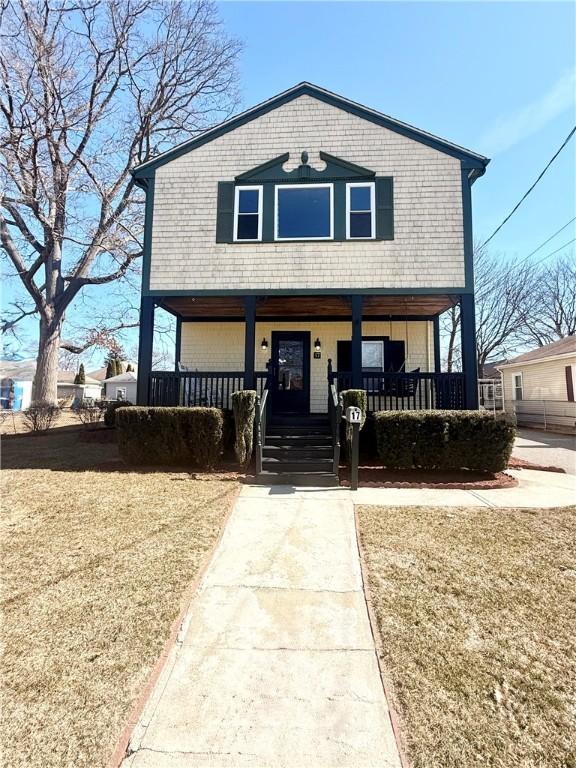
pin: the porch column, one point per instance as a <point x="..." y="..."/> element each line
<point x="178" y="345"/>
<point x="249" y="341"/>
<point x="437" y="360"/>
<point x="145" y="345"/>
<point x="357" y="341"/>
<point x="468" y="344"/>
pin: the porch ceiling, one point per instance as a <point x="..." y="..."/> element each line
<point x="281" y="307"/>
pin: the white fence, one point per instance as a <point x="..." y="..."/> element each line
<point x="546" y="414"/>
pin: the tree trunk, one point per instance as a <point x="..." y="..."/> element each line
<point x="46" y="378"/>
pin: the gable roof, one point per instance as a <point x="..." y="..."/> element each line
<point x="121" y="378"/>
<point x="474" y="162"/>
<point x="565" y="346"/>
<point x="67" y="377"/>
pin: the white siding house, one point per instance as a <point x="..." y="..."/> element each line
<point x="539" y="386"/>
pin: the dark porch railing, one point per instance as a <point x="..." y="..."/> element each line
<point x="335" y="416"/>
<point x="260" y="426"/>
<point x="407" y="391"/>
<point x="199" y="388"/>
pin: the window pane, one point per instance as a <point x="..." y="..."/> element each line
<point x="359" y="198"/>
<point x="360" y="225"/>
<point x="373" y="355"/>
<point x="247" y="226"/>
<point x="248" y="201"/>
<point x="304" y="212"/>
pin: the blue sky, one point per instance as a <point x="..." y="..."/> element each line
<point x="495" y="77"/>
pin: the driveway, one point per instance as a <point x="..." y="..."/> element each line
<point x="546" y="448"/>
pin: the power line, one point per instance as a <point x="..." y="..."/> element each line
<point x="553" y="252"/>
<point x="546" y="241"/>
<point x="513" y="211"/>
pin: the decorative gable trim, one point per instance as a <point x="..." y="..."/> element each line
<point x="336" y="169"/>
<point x="474" y="162"/>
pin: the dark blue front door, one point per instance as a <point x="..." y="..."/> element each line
<point x="290" y="372"/>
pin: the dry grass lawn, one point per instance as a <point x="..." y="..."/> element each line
<point x="477" y="614"/>
<point x="94" y="564"/>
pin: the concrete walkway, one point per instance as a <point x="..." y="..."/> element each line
<point x="275" y="665"/>
<point x="548" y="449"/>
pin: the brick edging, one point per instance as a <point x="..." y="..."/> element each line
<point x="395" y="719"/>
<point x="188" y="595"/>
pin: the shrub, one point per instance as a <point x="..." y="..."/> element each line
<point x="244" y="407"/>
<point x="358" y="398"/>
<point x="88" y="413"/>
<point x="444" y="440"/>
<point x="40" y="416"/>
<point x="110" y="412"/>
<point x="170" y="435"/>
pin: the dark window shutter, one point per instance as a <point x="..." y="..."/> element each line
<point x="394" y="356"/>
<point x="344" y="356"/>
<point x="385" y="208"/>
<point x="569" y="384"/>
<point x="225" y="213"/>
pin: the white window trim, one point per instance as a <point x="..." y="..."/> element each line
<point x="237" y="191"/>
<point x="121" y="389"/>
<point x="514" y="375"/>
<point x="372" y="211"/>
<point x="303" y="186"/>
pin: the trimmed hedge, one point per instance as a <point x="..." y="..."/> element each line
<point x="191" y="436"/>
<point x="110" y="412"/>
<point x="443" y="440"/>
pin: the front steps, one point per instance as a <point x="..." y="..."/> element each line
<point x="298" y="451"/>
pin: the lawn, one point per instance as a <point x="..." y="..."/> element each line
<point x="476" y="610"/>
<point x="95" y="561"/>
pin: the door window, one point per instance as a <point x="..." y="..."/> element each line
<point x="290" y="365"/>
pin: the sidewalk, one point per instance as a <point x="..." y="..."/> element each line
<point x="275" y="665"/>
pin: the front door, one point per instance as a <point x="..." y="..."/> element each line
<point x="290" y="372"/>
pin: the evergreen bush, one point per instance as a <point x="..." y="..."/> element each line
<point x="445" y="440"/>
<point x="244" y="408"/>
<point x="80" y="377"/>
<point x="191" y="436"/>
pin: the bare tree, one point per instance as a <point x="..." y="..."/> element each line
<point x="90" y="89"/>
<point x="553" y="314"/>
<point x="504" y="294"/>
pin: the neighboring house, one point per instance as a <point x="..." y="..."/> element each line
<point x="539" y="386"/>
<point x="18" y="376"/>
<point x="69" y="392"/>
<point x="490" y="396"/>
<point x="100" y="373"/>
<point x="121" y="387"/>
<point x="306" y="230"/>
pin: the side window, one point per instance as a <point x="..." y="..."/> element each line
<point x="360" y="211"/>
<point x="518" y="391"/>
<point x="248" y="214"/>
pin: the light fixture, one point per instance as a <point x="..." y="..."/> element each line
<point x="317" y="345"/>
<point x="264" y="344"/>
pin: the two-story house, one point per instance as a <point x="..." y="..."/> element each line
<point x="309" y="239"/>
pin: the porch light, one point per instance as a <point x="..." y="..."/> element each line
<point x="264" y="344"/>
<point x="317" y="345"/>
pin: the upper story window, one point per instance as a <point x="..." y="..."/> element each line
<point x="304" y="212"/>
<point x="360" y="218"/>
<point x="248" y="214"/>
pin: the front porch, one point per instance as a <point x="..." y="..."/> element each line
<point x="296" y="347"/>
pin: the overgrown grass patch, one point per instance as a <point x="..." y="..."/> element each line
<point x="476" y="611"/>
<point x="95" y="560"/>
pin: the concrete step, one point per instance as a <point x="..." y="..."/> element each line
<point x="320" y="479"/>
<point x="297" y="465"/>
<point x="310" y="452"/>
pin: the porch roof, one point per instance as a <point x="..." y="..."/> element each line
<point x="291" y="307"/>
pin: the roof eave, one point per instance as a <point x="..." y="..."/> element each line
<point x="477" y="163"/>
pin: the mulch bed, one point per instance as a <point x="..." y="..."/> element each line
<point x="370" y="476"/>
